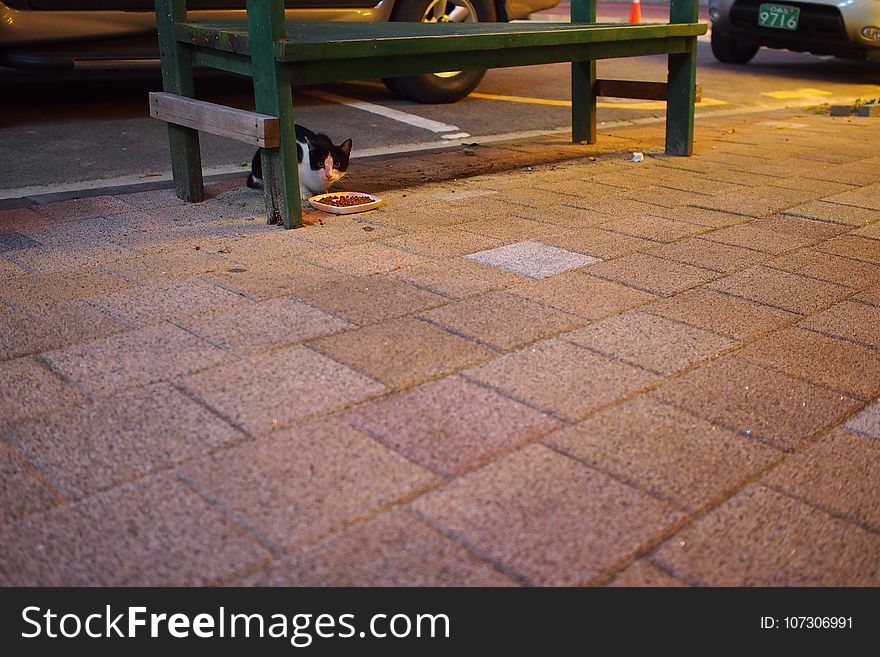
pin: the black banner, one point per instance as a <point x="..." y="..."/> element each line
<point x="433" y="621"/>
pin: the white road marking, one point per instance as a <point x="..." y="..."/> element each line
<point x="387" y="112"/>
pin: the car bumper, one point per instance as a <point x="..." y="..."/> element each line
<point x="826" y="27"/>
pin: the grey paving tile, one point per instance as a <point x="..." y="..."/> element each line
<point x="532" y="259"/>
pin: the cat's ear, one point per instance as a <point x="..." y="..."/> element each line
<point x="345" y="147"/>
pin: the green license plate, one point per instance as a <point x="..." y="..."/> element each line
<point x="782" y="17"/>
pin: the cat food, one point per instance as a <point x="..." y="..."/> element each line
<point x="345" y="202"/>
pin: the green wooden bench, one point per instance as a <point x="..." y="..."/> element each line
<point x="278" y="54"/>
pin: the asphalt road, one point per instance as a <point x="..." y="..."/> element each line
<point x="92" y="128"/>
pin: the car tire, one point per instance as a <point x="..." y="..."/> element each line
<point x="439" y="87"/>
<point x="727" y="50"/>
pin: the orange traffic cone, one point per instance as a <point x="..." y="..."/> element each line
<point x="635" y="14"/>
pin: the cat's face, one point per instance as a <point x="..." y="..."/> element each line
<point x="328" y="160"/>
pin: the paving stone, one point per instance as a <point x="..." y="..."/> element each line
<point x="653" y="228"/>
<point x="282" y="248"/>
<point x="51" y="326"/>
<point x="82" y="208"/>
<point x="650" y="341"/>
<point x="562" y="216"/>
<point x="756" y="401"/>
<point x="759" y="237"/>
<point x="59" y="258"/>
<point x="151" y="304"/>
<point x="706" y="254"/>
<point x="371" y="299"/>
<point x="845" y="366"/>
<point x="93" y="447"/>
<point x="548" y="518"/>
<point x="837" y="474"/>
<point x="254" y="328"/>
<point x="154" y="532"/>
<point x="853" y="246"/>
<point x="502" y="320"/>
<point x="11" y="240"/>
<point x="299" y="485"/>
<point x="158" y="267"/>
<point x="56" y="287"/>
<point x="827" y="267"/>
<point x="872" y="231"/>
<point x="586" y="296"/>
<point x="763" y="538"/>
<point x="664" y="196"/>
<point x="509" y="229"/>
<point x="849" y="320"/>
<point x="666" y="452"/>
<point x="781" y="289"/>
<point x="28" y="388"/>
<point x="833" y="212"/>
<point x="369" y="258"/>
<point x="274" y="390"/>
<point x="867" y="422"/>
<point x="344" y="231"/>
<point x="451" y="426"/>
<point x="650" y="274"/>
<point x="869" y="295"/>
<point x="403" y="352"/>
<point x="562" y="378"/>
<point x="757" y="201"/>
<point x="105" y="366"/>
<point x="644" y="574"/>
<point x="443" y="243"/>
<point x="599" y="243"/>
<point x="720" y="313"/>
<point x="532" y="259"/>
<point x="394" y="549"/>
<point x="704" y="217"/>
<point x="458" y="278"/>
<point x="272" y="279"/>
<point x="867" y="197"/>
<point x="24" y="490"/>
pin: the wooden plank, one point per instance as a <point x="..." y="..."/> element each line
<point x="224" y="61"/>
<point x="250" y="127"/>
<point x="177" y="78"/>
<point x="682" y="89"/>
<point x="340" y="40"/>
<point x="637" y="89"/>
<point x="333" y="70"/>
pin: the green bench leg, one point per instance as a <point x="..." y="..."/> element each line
<point x="681" y="95"/>
<point x="273" y="95"/>
<point x="177" y="78"/>
<point x="681" y="89"/>
<point x="583" y="82"/>
<point x="583" y="102"/>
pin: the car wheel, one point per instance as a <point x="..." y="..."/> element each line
<point x="449" y="86"/>
<point x="727" y="50"/>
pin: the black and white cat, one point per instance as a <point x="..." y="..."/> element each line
<point x="325" y="164"/>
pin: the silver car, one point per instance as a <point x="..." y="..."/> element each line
<point x="64" y="34"/>
<point x="843" y="28"/>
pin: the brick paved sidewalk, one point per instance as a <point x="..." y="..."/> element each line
<point x="586" y="372"/>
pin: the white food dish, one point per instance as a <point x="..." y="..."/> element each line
<point x="315" y="202"/>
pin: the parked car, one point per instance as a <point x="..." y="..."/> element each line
<point x="65" y="34"/>
<point x="843" y="28"/>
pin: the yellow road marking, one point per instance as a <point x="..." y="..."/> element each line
<point x="647" y="105"/>
<point x="797" y="93"/>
